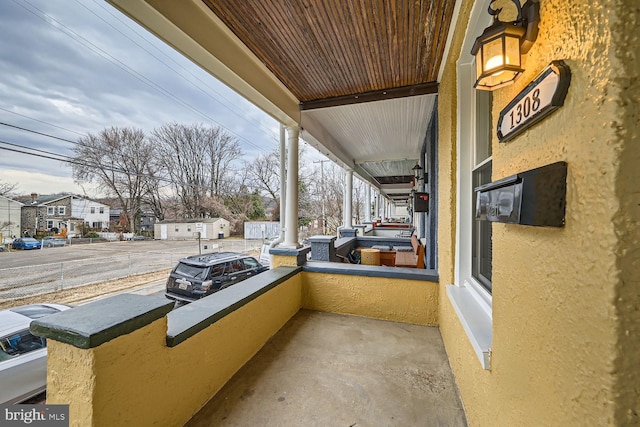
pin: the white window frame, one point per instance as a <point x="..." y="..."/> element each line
<point x="101" y="210"/>
<point x="61" y="210"/>
<point x="51" y="210"/>
<point x="470" y="300"/>
<point x="49" y="224"/>
<point x="92" y="209"/>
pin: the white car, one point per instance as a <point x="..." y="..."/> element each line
<point x="23" y="357"/>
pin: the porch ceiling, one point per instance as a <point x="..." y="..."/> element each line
<point x="362" y="73"/>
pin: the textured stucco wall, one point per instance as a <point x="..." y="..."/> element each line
<point x="626" y="219"/>
<point x="565" y="318"/>
<point x="410" y="301"/>
<point x="136" y="380"/>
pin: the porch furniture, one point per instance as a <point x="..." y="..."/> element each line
<point x="413" y="259"/>
<point x="370" y="256"/>
<point x="404" y="233"/>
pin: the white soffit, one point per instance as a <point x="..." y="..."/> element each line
<point x="376" y="131"/>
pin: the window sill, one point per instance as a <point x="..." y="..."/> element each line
<point x="474" y="312"/>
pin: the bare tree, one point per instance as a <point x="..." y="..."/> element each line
<point x="359" y="202"/>
<point x="223" y="149"/>
<point x="118" y="160"/>
<point x="197" y="160"/>
<point x="6" y="188"/>
<point x="334" y="192"/>
<point x="265" y="174"/>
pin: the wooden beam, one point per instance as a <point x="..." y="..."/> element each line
<point x="376" y="95"/>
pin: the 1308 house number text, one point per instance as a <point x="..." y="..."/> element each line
<point x="530" y="104"/>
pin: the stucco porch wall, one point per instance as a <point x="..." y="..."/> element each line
<point x="387" y="293"/>
<point x="114" y="368"/>
<point x="565" y="345"/>
<point x="164" y="372"/>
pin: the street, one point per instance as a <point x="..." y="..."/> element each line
<point x="25" y="274"/>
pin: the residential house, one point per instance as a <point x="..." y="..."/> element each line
<point x="69" y="214"/>
<point x="147" y="220"/>
<point x="10" y="218"/>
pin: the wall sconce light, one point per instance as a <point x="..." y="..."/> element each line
<point x="416" y="172"/>
<point x="499" y="49"/>
<point x="418" y="175"/>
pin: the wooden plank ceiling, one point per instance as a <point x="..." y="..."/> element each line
<point x="323" y="49"/>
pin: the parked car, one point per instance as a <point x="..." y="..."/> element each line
<point x="26" y="243"/>
<point x="265" y="258"/>
<point x="50" y="242"/>
<point x="23" y="357"/>
<point x="197" y="276"/>
<point x="137" y="237"/>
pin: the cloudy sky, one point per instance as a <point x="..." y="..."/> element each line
<point x="69" y="67"/>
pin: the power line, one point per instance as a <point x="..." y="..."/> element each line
<point x="105" y="55"/>
<point x="228" y="105"/>
<point x="41" y="121"/>
<point x="66" y="159"/>
<point x="40" y="133"/>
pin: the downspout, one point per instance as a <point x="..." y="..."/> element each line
<point x="283" y="194"/>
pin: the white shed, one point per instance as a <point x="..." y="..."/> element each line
<point x="188" y="229"/>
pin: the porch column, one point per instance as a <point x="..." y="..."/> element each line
<point x="291" y="211"/>
<point x="367" y="211"/>
<point x="348" y="197"/>
<point x="377" y="209"/>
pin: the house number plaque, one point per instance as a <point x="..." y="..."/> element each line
<point x="541" y="97"/>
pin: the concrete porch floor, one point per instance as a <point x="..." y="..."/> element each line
<point x="324" y="369"/>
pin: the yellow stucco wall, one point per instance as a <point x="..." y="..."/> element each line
<point x="283" y="261"/>
<point x="136" y="380"/>
<point x="565" y="331"/>
<point x="410" y="301"/>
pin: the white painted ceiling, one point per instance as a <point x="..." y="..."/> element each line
<point x="375" y="139"/>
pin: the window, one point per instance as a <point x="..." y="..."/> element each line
<point x="177" y="229"/>
<point x="101" y="210"/>
<point x="217" y="270"/>
<point x="250" y="263"/>
<point x="35" y="311"/>
<point x="51" y="210"/>
<point x="19" y="343"/>
<point x="61" y="210"/>
<point x="236" y="266"/>
<point x="72" y="227"/>
<point x="92" y="209"/>
<point x="470" y="294"/>
<point x="49" y="225"/>
<point x="481" y="248"/>
<point x="188" y="228"/>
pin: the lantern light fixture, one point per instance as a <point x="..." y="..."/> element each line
<point x="416" y="171"/>
<point x="499" y="49"/>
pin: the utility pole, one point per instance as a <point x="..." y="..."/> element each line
<point x="324" y="219"/>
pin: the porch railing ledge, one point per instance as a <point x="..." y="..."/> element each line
<point x="190" y="319"/>
<point x="95" y="323"/>
<point x="371" y="271"/>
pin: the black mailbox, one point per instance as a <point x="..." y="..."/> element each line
<point x="535" y="197"/>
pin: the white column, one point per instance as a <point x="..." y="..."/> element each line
<point x="348" y="196"/>
<point x="291" y="210"/>
<point x="376" y="212"/>
<point x="367" y="201"/>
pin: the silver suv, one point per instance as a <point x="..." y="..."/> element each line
<point x="200" y="275"/>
